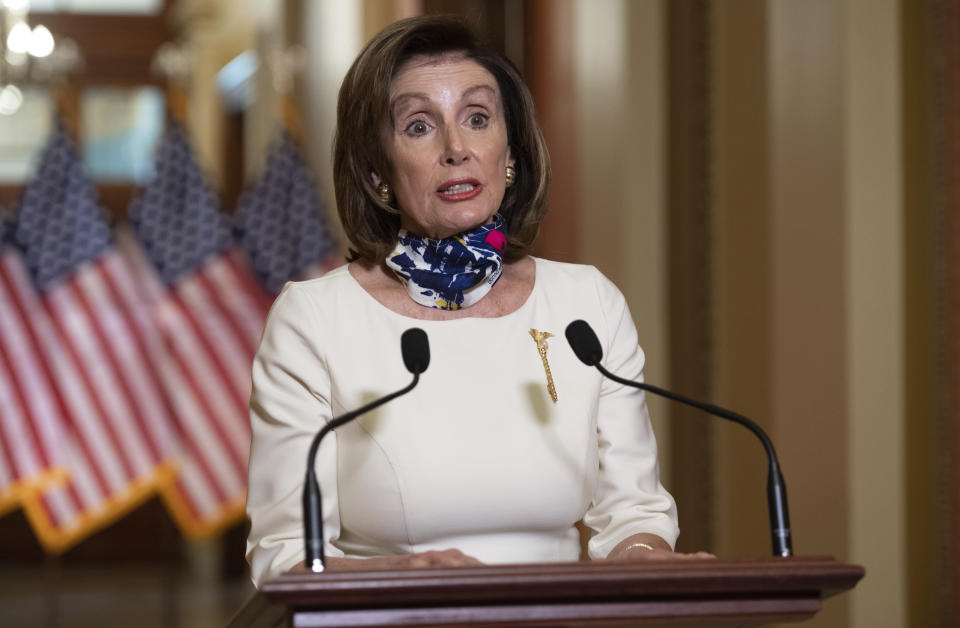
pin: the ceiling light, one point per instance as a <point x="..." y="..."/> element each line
<point x="41" y="41"/>
<point x="15" y="59"/>
<point x="18" y="40"/>
<point x="10" y="100"/>
<point x="17" y="5"/>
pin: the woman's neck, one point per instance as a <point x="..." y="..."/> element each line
<point x="509" y="293"/>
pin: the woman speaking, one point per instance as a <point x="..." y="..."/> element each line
<point x="508" y="441"/>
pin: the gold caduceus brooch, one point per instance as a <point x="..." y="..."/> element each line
<point x="540" y="337"/>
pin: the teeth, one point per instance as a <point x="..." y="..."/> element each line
<point x="459" y="188"/>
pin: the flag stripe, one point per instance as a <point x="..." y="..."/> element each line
<point x="120" y="284"/>
<point x="23" y="462"/>
<point x="42" y="401"/>
<point x="246" y="301"/>
<point x="127" y="356"/>
<point x="204" y="342"/>
<point x="9" y="473"/>
<point x="49" y="344"/>
<point x="26" y="460"/>
<point x="37" y="336"/>
<point x="85" y="424"/>
<point x="210" y="475"/>
<point x="16" y="409"/>
<point x="115" y="421"/>
<point x="196" y="416"/>
<point x="203" y="308"/>
<point x="260" y="300"/>
<point x="209" y="427"/>
<point x="134" y="448"/>
<point x="55" y="516"/>
<point x="211" y="392"/>
<point x="82" y="490"/>
<point x="210" y="319"/>
<point x="59" y="506"/>
<point x="187" y="488"/>
<point x="109" y="384"/>
<point x="220" y="309"/>
<point x="196" y="367"/>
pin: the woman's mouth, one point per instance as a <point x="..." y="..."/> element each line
<point x="459" y="190"/>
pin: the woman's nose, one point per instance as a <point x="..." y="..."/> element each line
<point x="455" y="152"/>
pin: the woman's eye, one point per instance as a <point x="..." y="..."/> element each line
<point x="418" y="127"/>
<point x="478" y="120"/>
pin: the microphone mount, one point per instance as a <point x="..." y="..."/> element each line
<point x="586" y="346"/>
<point x="416" y="357"/>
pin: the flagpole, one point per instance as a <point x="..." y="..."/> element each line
<point x="178" y="103"/>
<point x="67" y="99"/>
<point x="291" y="119"/>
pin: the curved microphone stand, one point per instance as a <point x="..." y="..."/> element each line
<point x="586" y="346"/>
<point x="416" y="357"/>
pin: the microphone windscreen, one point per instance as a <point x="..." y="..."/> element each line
<point x="416" y="350"/>
<point x="584" y="342"/>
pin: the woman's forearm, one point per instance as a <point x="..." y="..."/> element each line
<point x="441" y="558"/>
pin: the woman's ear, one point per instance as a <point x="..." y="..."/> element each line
<point x="376" y="178"/>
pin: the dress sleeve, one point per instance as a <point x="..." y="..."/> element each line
<point x="629" y="498"/>
<point x="289" y="402"/>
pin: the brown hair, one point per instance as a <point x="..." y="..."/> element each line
<point x="363" y="111"/>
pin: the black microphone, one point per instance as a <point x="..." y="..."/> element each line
<point x="586" y="346"/>
<point x="416" y="357"/>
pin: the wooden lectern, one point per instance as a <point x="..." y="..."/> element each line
<point x="681" y="593"/>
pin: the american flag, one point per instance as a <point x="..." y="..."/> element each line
<point x="97" y="346"/>
<point x="30" y="421"/>
<point x="281" y="221"/>
<point x="211" y="311"/>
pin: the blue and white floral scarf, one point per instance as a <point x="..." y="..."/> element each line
<point x="454" y="272"/>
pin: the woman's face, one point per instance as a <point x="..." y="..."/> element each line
<point x="447" y="145"/>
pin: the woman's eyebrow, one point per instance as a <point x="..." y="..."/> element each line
<point x="407" y="100"/>
<point x="479" y="88"/>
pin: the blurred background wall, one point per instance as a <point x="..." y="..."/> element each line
<point x="772" y="183"/>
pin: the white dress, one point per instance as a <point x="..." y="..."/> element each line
<point x="477" y="457"/>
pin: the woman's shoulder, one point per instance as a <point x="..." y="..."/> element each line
<point x="332" y="281"/>
<point x="578" y="291"/>
<point x="310" y="293"/>
<point x="568" y="275"/>
<point x="328" y="280"/>
<point x="553" y="268"/>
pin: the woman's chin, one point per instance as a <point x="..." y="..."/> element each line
<point x="466" y="221"/>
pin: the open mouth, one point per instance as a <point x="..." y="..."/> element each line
<point x="460" y="189"/>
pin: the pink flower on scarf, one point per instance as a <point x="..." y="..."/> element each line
<point x="496" y="239"/>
